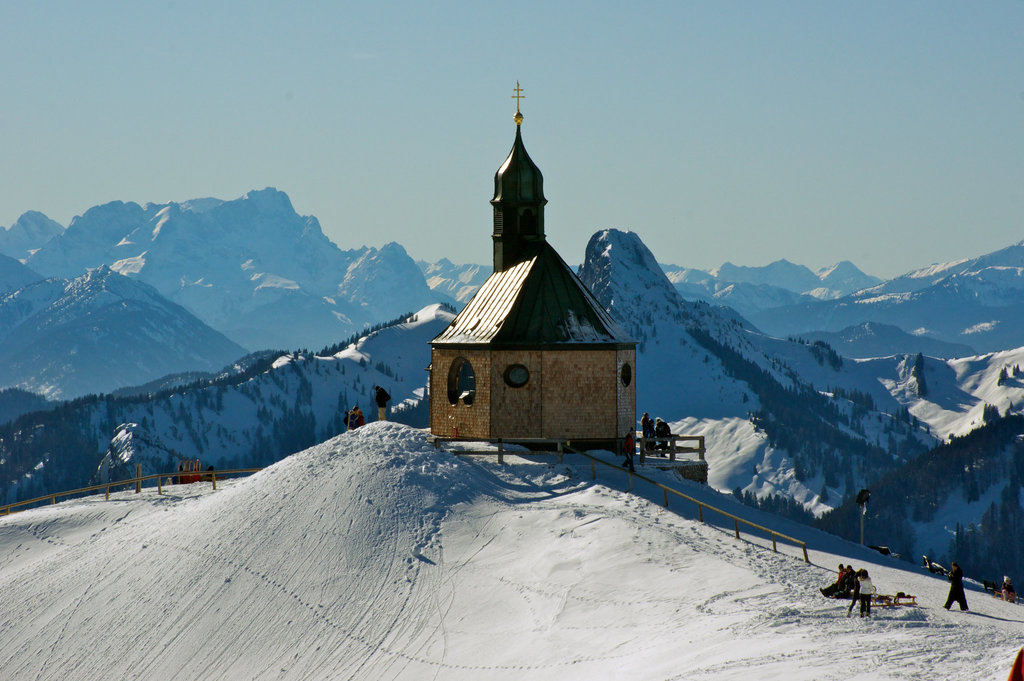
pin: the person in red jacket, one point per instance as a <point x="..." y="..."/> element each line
<point x="355" y="418"/>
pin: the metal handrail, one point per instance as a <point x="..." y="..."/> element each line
<point x="204" y="476"/>
<point x="700" y="504"/>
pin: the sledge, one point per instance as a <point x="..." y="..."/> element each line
<point x="887" y="601"/>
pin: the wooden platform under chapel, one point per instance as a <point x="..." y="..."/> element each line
<point x="687" y="459"/>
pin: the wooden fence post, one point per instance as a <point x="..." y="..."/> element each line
<point x="213" y="479"/>
<point x="138" y="478"/>
<point x="560" y="452"/>
<point x="501" y="451"/>
<point x="737" y="522"/>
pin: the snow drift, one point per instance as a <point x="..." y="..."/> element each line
<point x="375" y="556"/>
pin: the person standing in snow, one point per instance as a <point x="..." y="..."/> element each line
<point x="628" y="446"/>
<point x="956" y="588"/>
<point x="863" y="590"/>
<point x="382" y="397"/>
<point x="647" y="431"/>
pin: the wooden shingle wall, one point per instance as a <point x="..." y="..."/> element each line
<point x="572" y="394"/>
<point x="580" y="394"/>
<point x="472" y="421"/>
<point x="517" y="412"/>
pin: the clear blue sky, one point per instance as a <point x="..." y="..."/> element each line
<point x="886" y="133"/>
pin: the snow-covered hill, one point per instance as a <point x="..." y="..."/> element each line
<point x="97" y="332"/>
<point x="250" y="416"/>
<point x="707" y="372"/>
<point x="873" y="339"/>
<point x="251" y="268"/>
<point x="375" y="556"/>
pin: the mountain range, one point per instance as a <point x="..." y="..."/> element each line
<point x="97" y="332"/>
<point x="975" y="301"/>
<point x="788" y="416"/>
<point x="265" y="277"/>
<point x="783" y="419"/>
<point x="251" y="268"/>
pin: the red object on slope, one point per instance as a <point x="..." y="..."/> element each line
<point x="1017" y="672"/>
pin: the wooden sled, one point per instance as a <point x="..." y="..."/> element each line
<point x="888" y="601"/>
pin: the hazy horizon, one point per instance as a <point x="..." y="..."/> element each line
<point x="887" y="135"/>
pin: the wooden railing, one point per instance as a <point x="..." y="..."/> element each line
<point x="201" y="476"/>
<point x="737" y="521"/>
<point x="650" y="446"/>
<point x="500" y="443"/>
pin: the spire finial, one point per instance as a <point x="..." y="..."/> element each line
<point x="517" y="96"/>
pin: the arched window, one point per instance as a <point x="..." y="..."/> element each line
<point x="461" y="382"/>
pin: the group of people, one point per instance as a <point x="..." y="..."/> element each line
<point x="651" y="429"/>
<point x="354" y="417"/>
<point x="856" y="585"/>
<point x="853" y="584"/>
<point x="1004" y="591"/>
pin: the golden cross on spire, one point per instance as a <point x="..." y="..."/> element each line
<point x="517" y="96"/>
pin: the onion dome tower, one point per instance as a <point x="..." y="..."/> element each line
<point x="533" y="355"/>
<point x="518" y="203"/>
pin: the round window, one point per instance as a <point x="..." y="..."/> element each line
<point x="627" y="374"/>
<point x="516" y="375"/>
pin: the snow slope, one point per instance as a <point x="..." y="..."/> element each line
<point x="375" y="556"/>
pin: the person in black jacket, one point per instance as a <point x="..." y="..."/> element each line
<point x="863" y="589"/>
<point x="647" y="428"/>
<point x="956" y="588"/>
<point x="661" y="430"/>
<point x="843" y="584"/>
<point x="382" y="397"/>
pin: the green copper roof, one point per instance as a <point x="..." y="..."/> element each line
<point x="519" y="180"/>
<point x="538" y="301"/>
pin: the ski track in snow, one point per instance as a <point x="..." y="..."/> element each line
<point x="373" y="556"/>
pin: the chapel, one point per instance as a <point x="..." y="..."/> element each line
<point x="533" y="355"/>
